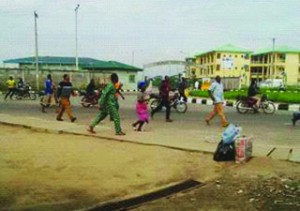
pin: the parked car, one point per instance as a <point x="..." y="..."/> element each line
<point x="272" y="83"/>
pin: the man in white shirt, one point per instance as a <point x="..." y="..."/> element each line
<point x="216" y="93"/>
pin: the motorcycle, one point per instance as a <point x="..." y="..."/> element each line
<point x="175" y="101"/>
<point x="25" y="93"/>
<point x="245" y="104"/>
<point x="90" y="100"/>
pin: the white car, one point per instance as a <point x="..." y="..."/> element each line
<point x="272" y="83"/>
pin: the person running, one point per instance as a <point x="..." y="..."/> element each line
<point x="11" y="85"/>
<point x="216" y="93"/>
<point x="141" y="108"/>
<point x="48" y="92"/>
<point x="64" y="93"/>
<point x="108" y="106"/>
<point x="164" y="91"/>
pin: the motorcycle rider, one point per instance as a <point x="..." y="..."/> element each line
<point x="253" y="93"/>
<point x="90" y="89"/>
<point x="181" y="88"/>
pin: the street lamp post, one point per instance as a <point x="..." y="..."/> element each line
<point x="36" y="50"/>
<point x="76" y="37"/>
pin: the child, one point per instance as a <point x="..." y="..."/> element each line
<point x="141" y="107"/>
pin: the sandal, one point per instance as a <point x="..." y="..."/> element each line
<point x="120" y="134"/>
<point x="91" y="130"/>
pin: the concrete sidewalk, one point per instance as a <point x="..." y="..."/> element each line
<point x="183" y="139"/>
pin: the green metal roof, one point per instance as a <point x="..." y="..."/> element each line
<point x="111" y="65"/>
<point x="227" y="48"/>
<point x="277" y="49"/>
<point x="52" y="60"/>
<point x="83" y="62"/>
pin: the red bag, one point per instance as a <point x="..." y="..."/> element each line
<point x="243" y="149"/>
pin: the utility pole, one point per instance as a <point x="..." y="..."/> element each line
<point x="273" y="59"/>
<point x="76" y="37"/>
<point x="36" y="51"/>
<point x="132" y="61"/>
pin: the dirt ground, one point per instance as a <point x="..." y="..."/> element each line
<point x="41" y="171"/>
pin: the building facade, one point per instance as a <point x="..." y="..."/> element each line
<point x="280" y="63"/>
<point x="238" y="66"/>
<point x="228" y="61"/>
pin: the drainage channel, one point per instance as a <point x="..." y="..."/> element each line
<point x="136" y="201"/>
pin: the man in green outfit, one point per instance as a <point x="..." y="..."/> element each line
<point x="107" y="106"/>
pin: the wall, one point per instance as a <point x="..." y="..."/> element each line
<point x="79" y="79"/>
<point x="292" y="68"/>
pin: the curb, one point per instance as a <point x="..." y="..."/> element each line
<point x="129" y="90"/>
<point x="279" y="106"/>
<point x="53" y="131"/>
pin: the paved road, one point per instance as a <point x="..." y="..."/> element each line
<point x="274" y="130"/>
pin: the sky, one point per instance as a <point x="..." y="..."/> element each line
<point x="143" y="31"/>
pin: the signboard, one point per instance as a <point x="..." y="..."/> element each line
<point x="227" y="63"/>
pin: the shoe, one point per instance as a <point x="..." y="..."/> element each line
<point x="43" y="109"/>
<point x="120" y="134"/>
<point x="169" y="120"/>
<point x="59" y="119"/>
<point x="225" y="125"/>
<point x="91" y="130"/>
<point x="73" y="119"/>
<point x="294" y="122"/>
<point x="134" y="127"/>
<point x="207" y="122"/>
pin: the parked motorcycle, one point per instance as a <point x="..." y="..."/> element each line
<point x="175" y="101"/>
<point x="92" y="100"/>
<point x="25" y="93"/>
<point x="245" y="104"/>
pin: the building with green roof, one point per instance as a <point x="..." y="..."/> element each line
<point x="282" y="62"/>
<point x="228" y="61"/>
<point x="88" y="68"/>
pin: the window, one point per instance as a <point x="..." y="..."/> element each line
<point x="131" y="78"/>
<point x="246" y="56"/>
<point x="218" y="55"/>
<point x="242" y="56"/>
<point x="235" y="56"/>
<point x="218" y="67"/>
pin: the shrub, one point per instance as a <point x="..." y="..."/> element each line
<point x="276" y="96"/>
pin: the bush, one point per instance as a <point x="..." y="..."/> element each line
<point x="276" y="96"/>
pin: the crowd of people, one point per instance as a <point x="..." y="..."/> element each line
<point x="108" y="103"/>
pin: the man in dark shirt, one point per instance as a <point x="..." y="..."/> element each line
<point x="165" y="100"/>
<point x="64" y="93"/>
<point x="181" y="88"/>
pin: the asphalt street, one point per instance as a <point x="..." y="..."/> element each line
<point x="275" y="129"/>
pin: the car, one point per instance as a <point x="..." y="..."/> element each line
<point x="272" y="83"/>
